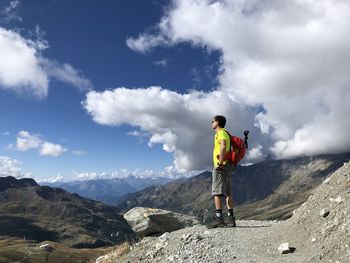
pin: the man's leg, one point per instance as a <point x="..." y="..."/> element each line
<point x="229" y="202"/>
<point x="219" y="219"/>
<point x="218" y="205"/>
<point x="217" y="193"/>
<point x="231" y="221"/>
<point x="217" y="200"/>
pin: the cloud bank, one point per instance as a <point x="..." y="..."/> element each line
<point x="284" y="74"/>
<point x="180" y="122"/>
<point x="56" y="179"/>
<point x="168" y="172"/>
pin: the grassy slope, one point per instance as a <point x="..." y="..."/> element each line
<point x="13" y="250"/>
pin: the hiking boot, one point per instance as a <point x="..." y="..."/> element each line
<point x="230" y="221"/>
<point x="217" y="222"/>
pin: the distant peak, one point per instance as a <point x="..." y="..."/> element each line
<point x="11" y="182"/>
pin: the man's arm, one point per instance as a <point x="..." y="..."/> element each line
<point x="222" y="151"/>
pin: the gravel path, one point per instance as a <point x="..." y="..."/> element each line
<point x="250" y="241"/>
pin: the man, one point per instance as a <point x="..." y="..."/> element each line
<point x="221" y="177"/>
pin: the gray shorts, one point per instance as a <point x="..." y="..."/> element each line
<point x="221" y="180"/>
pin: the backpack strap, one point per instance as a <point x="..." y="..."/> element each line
<point x="229" y="135"/>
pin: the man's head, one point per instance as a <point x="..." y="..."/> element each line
<point x="218" y="121"/>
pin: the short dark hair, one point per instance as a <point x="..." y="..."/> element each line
<point x="221" y="120"/>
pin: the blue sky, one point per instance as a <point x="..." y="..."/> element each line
<point x="91" y="36"/>
<point x="91" y="88"/>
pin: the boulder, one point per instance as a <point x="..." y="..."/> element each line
<point x="284" y="248"/>
<point x="150" y="221"/>
<point x="46" y="247"/>
<point x="324" y="212"/>
<point x="337" y="200"/>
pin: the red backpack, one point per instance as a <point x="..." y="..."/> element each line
<point x="238" y="148"/>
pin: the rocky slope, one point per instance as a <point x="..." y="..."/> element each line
<point x="264" y="191"/>
<point x="313" y="235"/>
<point x="35" y="212"/>
<point x="321" y="226"/>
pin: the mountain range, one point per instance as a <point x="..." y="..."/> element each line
<point x="31" y="211"/>
<point x="267" y="190"/>
<point x="108" y="191"/>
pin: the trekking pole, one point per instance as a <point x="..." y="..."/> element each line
<point x="246" y="139"/>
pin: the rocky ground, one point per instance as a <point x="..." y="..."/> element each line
<point x="319" y="231"/>
<point x="249" y="242"/>
<point x="321" y="226"/>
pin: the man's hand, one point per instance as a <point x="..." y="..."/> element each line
<point x="219" y="168"/>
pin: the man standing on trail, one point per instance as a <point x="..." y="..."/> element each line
<point x="222" y="173"/>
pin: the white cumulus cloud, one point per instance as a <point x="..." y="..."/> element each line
<point x="25" y="71"/>
<point x="20" y="68"/>
<point x="11" y="167"/>
<point x="51" y="149"/>
<point x="26" y="141"/>
<point x="168" y="139"/>
<point x="180" y="122"/>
